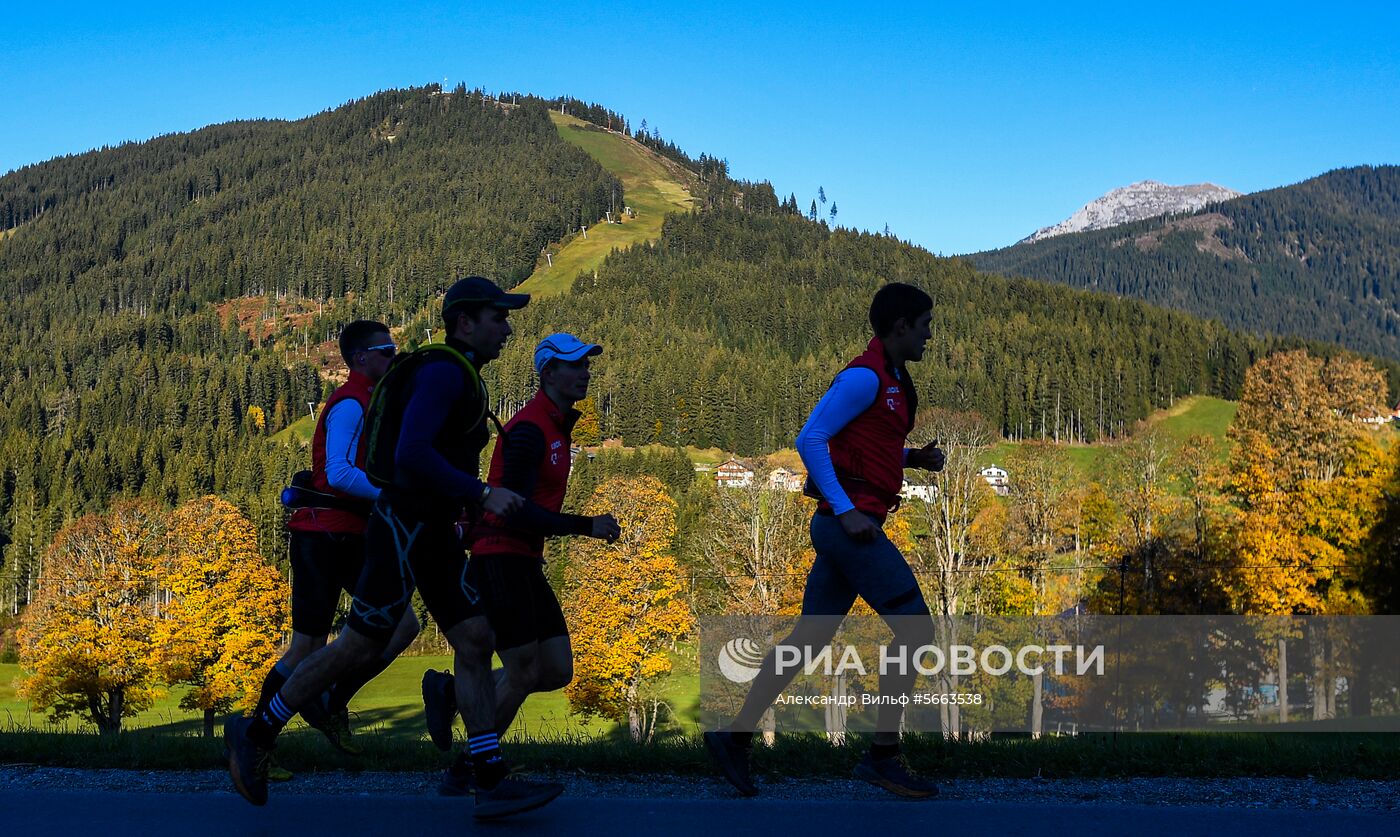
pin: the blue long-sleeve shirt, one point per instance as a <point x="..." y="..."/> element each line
<point x="851" y="393"/>
<point x="343" y="425"/>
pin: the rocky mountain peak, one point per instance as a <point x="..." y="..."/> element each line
<point x="1145" y="199"/>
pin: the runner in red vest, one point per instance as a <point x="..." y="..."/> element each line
<point x="327" y="535"/>
<point x="532" y="459"/>
<point x="853" y="447"/>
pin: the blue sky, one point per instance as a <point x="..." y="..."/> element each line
<point x="963" y="126"/>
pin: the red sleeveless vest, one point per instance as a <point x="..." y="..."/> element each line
<point x="359" y="388"/>
<point x="492" y="536"/>
<point x="868" y="453"/>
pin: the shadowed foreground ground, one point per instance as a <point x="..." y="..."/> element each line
<point x="119" y="813"/>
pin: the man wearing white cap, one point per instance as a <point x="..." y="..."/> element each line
<point x="507" y="554"/>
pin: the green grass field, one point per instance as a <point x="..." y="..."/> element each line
<point x="390" y="706"/>
<point x="1198" y="415"/>
<point x="388" y="723"/>
<point x="1191" y="416"/>
<point x="299" y="431"/>
<point x="652" y="188"/>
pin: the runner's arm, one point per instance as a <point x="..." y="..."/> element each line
<point x="343" y="425"/>
<point x="522" y="457"/>
<point x="851" y="394"/>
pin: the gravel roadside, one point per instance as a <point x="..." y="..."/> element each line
<point x="1275" y="793"/>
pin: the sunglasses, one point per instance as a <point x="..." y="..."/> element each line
<point x="385" y="349"/>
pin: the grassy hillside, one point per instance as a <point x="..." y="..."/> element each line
<point x="299" y="431"/>
<point x="652" y="186"/>
<point x="1196" y="415"/>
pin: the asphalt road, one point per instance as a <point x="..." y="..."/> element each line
<point x="117" y="814"/>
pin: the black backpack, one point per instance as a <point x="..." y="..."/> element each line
<point x="384" y="418"/>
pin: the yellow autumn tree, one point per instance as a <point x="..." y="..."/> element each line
<point x="626" y="607"/>
<point x="1307" y="478"/>
<point x="86" y="640"/>
<point x="587" y="430"/>
<point x="227" y="611"/>
<point x="257" y="417"/>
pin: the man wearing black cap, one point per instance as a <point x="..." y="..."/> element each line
<point x="426" y="429"/>
<point x="507" y="560"/>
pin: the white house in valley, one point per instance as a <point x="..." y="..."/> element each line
<point x="785" y="479"/>
<point x="734" y="474"/>
<point x="996" y="478"/>
<point x="912" y="491"/>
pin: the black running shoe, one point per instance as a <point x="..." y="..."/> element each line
<point x="276" y="772"/>
<point x="457" y="784"/>
<point x="334" y="725"/>
<point x="247" y="762"/>
<point x="439" y="706"/>
<point x="514" y="796"/>
<point x="315" y="713"/>
<point x="732" y="759"/>
<point x="893" y="774"/>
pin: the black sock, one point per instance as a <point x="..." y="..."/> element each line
<point x="346" y="687"/>
<point x="269" y="723"/>
<point x="884" y="751"/>
<point x="271" y="683"/>
<point x="487" y="763"/>
<point x="743" y="739"/>
<point x="461" y="765"/>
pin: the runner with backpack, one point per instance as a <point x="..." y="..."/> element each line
<point x="426" y="428"/>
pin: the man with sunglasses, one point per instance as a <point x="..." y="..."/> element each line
<point x="426" y="430"/>
<point x="327" y="541"/>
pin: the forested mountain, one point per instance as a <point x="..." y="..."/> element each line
<point x="128" y="372"/>
<point x="1320" y="260"/>
<point x="122" y="377"/>
<point x="728" y="330"/>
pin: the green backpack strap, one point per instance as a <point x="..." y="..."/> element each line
<point x="379" y="463"/>
<point x="476" y="379"/>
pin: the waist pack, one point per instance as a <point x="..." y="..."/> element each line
<point x="302" y="494"/>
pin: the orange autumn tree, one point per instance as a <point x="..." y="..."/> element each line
<point x="227" y="611"/>
<point x="626" y="607"/>
<point x="86" y="640"/>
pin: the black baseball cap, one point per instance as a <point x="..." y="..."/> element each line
<point x="479" y="289"/>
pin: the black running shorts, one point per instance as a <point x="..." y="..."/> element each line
<point x="518" y="600"/>
<point x="401" y="553"/>
<point x="323" y="564"/>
